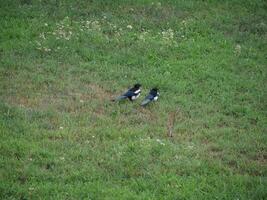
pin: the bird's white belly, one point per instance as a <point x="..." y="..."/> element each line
<point x="135" y="96"/>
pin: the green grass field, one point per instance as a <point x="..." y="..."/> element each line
<point x="62" y="61"/>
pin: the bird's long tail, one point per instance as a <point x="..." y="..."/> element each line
<point x="120" y="98"/>
<point x="145" y="102"/>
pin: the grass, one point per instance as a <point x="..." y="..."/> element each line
<point x="62" y="61"/>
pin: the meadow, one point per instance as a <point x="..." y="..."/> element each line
<point x="61" y="63"/>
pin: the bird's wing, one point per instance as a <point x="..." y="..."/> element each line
<point x="147" y="100"/>
<point x="129" y="93"/>
<point x="137" y="91"/>
<point x="150" y="97"/>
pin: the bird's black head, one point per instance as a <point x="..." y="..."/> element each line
<point x="137" y="85"/>
<point x="155" y="89"/>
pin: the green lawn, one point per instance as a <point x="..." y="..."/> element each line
<point x="62" y="61"/>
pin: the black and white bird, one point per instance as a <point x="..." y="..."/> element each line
<point x="152" y="96"/>
<point x="132" y="94"/>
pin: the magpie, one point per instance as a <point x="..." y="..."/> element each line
<point x="152" y="96"/>
<point x="132" y="94"/>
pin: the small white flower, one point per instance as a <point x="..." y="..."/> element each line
<point x="168" y="34"/>
<point x="31" y="188"/>
<point x="160" y="142"/>
<point x="62" y="158"/>
<point x="158" y="4"/>
<point x="129" y="27"/>
<point x="81" y="101"/>
<point x="61" y="127"/>
<point x="238" y="49"/>
<point x="95" y="25"/>
<point x="47" y="49"/>
<point x="46" y="24"/>
<point x="143" y="35"/>
<point x="42" y="35"/>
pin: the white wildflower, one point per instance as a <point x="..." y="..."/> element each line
<point x="143" y="35"/>
<point x="160" y="142"/>
<point x="190" y="147"/>
<point x="42" y="35"/>
<point x="46" y="49"/>
<point x="168" y="34"/>
<point x="129" y="27"/>
<point x="238" y="49"/>
<point x="95" y="25"/>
